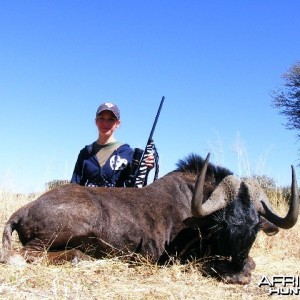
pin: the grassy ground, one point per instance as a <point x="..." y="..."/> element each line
<point x="116" y="279"/>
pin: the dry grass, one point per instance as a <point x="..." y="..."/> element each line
<point x="117" y="279"/>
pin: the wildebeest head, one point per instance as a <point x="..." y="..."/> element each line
<point x="235" y="230"/>
<point x="230" y="218"/>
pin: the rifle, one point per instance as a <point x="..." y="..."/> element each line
<point x="140" y="173"/>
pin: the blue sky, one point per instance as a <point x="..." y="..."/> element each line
<point x="216" y="63"/>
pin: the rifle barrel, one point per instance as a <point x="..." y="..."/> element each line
<point x="156" y="118"/>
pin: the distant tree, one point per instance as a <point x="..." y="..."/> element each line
<point x="55" y="183"/>
<point x="287" y="99"/>
<point x="277" y="195"/>
<point x="267" y="183"/>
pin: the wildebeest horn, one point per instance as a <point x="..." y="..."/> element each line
<point x="225" y="191"/>
<point x="228" y="189"/>
<point x="263" y="205"/>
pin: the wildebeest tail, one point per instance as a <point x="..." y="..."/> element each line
<point x="6" y="240"/>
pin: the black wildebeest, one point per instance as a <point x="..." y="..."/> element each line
<point x="195" y="211"/>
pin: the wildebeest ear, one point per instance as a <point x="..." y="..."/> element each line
<point x="267" y="227"/>
<point x="196" y="222"/>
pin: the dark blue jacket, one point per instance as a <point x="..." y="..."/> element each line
<point x="114" y="172"/>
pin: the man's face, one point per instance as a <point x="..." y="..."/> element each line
<point x="107" y="123"/>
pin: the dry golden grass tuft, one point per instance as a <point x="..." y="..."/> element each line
<point x="117" y="279"/>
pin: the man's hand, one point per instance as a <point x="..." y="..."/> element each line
<point x="149" y="161"/>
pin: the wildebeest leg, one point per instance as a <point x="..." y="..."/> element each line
<point x="38" y="251"/>
<point x="53" y="257"/>
<point x="73" y="255"/>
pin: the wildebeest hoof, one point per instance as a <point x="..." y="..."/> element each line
<point x="16" y="260"/>
<point x="78" y="256"/>
<point x="75" y="261"/>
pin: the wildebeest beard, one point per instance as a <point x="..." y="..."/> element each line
<point x="235" y="231"/>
